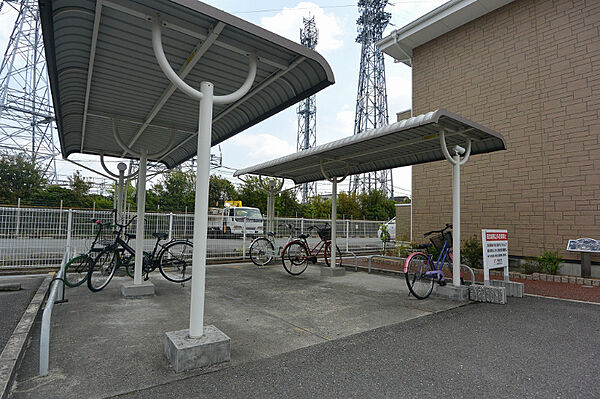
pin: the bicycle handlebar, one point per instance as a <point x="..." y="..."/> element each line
<point x="448" y="226"/>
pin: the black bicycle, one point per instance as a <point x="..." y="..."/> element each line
<point x="77" y="268"/>
<point x="173" y="259"/>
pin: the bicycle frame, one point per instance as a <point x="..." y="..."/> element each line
<point x="437" y="270"/>
<point x="316" y="250"/>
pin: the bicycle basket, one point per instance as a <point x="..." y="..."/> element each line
<point x="324" y="233"/>
<point x="438" y="240"/>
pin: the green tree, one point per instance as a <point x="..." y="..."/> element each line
<point x="251" y="194"/>
<point x="376" y="206"/>
<point x="287" y="205"/>
<point x="174" y="192"/>
<point x="317" y="207"/>
<point x="19" y="178"/>
<point x="220" y="190"/>
<point x="79" y="185"/>
<point x="349" y="206"/>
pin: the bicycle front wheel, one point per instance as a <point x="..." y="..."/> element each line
<point x="261" y="251"/>
<point x="419" y="284"/>
<point x="76" y="270"/>
<point x="295" y="258"/>
<point x="338" y="255"/>
<point x="175" y="261"/>
<point x="102" y="269"/>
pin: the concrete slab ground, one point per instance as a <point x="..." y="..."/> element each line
<point x="104" y="345"/>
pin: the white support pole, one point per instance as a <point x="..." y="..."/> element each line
<point x="333" y="247"/>
<point x="456" y="221"/>
<point x="244" y="240"/>
<point x="170" y="226"/>
<point x="120" y="192"/>
<point x="347" y="235"/>
<point x="201" y="212"/>
<point x="141" y="210"/>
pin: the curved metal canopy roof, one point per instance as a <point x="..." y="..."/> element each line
<point x="409" y="142"/>
<point x="104" y="75"/>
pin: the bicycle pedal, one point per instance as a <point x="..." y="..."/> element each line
<point x="313" y="259"/>
<point x="442" y="283"/>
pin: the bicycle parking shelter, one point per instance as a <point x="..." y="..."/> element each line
<point x="115" y="93"/>
<point x="430" y="137"/>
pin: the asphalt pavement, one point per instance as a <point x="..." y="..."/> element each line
<point x="530" y="348"/>
<point x="14" y="303"/>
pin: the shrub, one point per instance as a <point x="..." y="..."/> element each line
<point x="472" y="252"/>
<point x="530" y="266"/>
<point x="549" y="262"/>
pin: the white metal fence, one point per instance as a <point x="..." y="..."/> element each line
<point x="37" y="237"/>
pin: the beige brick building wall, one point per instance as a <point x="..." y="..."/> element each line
<point x="403" y="215"/>
<point x="531" y="71"/>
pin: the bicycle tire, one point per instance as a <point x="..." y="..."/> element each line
<point x="175" y="261"/>
<point x="129" y="262"/>
<point x="261" y="251"/>
<point x="76" y="270"/>
<point x="338" y="255"/>
<point x="418" y="284"/>
<point x="102" y="269"/>
<point x="295" y="258"/>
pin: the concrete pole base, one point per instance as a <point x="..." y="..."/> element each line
<point x="327" y="271"/>
<point x="130" y="290"/>
<point x="487" y="293"/>
<point x="513" y="288"/>
<point x="455" y="293"/>
<point x="185" y="353"/>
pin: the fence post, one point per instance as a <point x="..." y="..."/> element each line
<point x="347" y="235"/>
<point x="18" y="226"/>
<point x="170" y="226"/>
<point x="244" y="242"/>
<point x="302" y="226"/>
<point x="365" y="227"/>
<point x="60" y="216"/>
<point x="60" y="290"/>
<point x="185" y="222"/>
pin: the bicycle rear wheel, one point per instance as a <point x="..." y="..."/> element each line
<point x="102" y="269"/>
<point x="261" y="251"/>
<point x="76" y="270"/>
<point x="419" y="284"/>
<point x="175" y="261"/>
<point x="338" y="255"/>
<point x="295" y="258"/>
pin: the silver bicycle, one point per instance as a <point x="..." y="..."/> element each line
<point x="262" y="249"/>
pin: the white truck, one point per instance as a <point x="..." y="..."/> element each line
<point x="231" y="221"/>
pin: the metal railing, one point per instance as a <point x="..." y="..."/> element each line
<point x="57" y="287"/>
<point x="36" y="237"/>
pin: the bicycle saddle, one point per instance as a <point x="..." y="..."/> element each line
<point x="303" y="236"/>
<point x="160" y="236"/>
<point x="271" y="233"/>
<point x="130" y="235"/>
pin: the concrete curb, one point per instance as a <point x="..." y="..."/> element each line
<point x="13" y="351"/>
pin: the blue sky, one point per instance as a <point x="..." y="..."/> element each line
<point x="336" y="22"/>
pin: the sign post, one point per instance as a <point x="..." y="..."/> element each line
<point x="495" y="252"/>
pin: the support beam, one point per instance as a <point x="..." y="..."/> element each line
<point x="97" y="16"/>
<point x="333" y="255"/>
<point x="141" y="210"/>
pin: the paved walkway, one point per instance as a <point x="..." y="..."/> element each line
<point x="104" y="345"/>
<point x="530" y="348"/>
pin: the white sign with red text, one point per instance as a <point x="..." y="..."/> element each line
<point x="495" y="252"/>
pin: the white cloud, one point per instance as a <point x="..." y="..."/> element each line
<point x="288" y="23"/>
<point x="262" y="146"/>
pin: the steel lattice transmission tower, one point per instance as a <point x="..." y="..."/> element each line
<point x="371" y="101"/>
<point x="307" y="110"/>
<point x="26" y="113"/>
